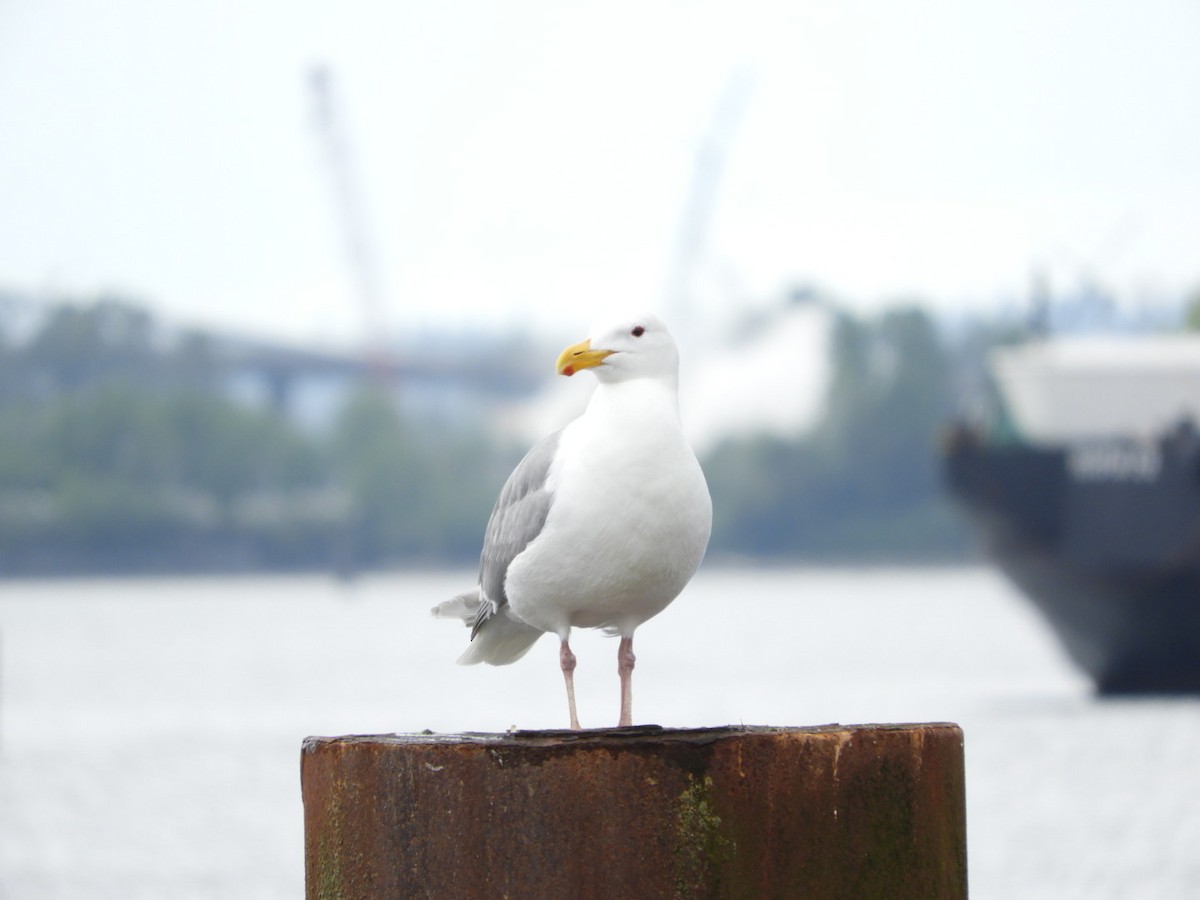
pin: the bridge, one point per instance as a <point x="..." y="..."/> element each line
<point x="487" y="371"/>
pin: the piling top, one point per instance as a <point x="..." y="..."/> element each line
<point x="617" y="736"/>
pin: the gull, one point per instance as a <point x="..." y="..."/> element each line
<point x="603" y="523"/>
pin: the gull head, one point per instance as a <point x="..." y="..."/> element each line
<point x="635" y="347"/>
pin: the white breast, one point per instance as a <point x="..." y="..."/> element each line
<point x="630" y="519"/>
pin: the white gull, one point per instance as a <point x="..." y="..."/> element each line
<point x="603" y="523"/>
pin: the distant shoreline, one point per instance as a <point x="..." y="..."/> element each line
<point x="725" y="563"/>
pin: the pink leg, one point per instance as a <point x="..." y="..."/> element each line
<point x="567" y="660"/>
<point x="625" y="661"/>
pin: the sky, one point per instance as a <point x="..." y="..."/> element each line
<point x="529" y="164"/>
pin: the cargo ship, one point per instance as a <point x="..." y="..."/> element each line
<point x="1084" y="486"/>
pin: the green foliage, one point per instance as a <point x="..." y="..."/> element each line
<point x="180" y="438"/>
<point x="1191" y="314"/>
<point x="417" y="493"/>
<point x="864" y="484"/>
<point x="119" y="451"/>
<point x="129" y="475"/>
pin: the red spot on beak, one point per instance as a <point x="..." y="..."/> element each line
<point x="569" y="371"/>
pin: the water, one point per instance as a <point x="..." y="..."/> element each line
<point x="150" y="729"/>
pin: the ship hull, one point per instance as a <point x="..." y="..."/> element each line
<point x="1105" y="541"/>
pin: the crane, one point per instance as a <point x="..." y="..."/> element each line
<point x="352" y="211"/>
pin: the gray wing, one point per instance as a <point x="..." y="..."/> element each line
<point x="517" y="518"/>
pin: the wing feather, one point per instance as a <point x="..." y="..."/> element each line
<point x="517" y="518"/>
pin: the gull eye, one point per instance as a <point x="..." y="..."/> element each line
<point x="638" y="331"/>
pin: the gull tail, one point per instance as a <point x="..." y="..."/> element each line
<point x="501" y="639"/>
<point x="464" y="606"/>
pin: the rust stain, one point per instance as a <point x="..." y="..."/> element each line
<point x="645" y="812"/>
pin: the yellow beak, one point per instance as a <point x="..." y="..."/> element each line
<point x="580" y="356"/>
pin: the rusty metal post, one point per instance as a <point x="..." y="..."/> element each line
<point x="874" y="811"/>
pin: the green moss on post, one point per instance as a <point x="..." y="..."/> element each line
<point x="702" y="850"/>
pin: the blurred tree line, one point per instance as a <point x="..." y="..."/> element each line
<point x="122" y="449"/>
<point x="864" y="485"/>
